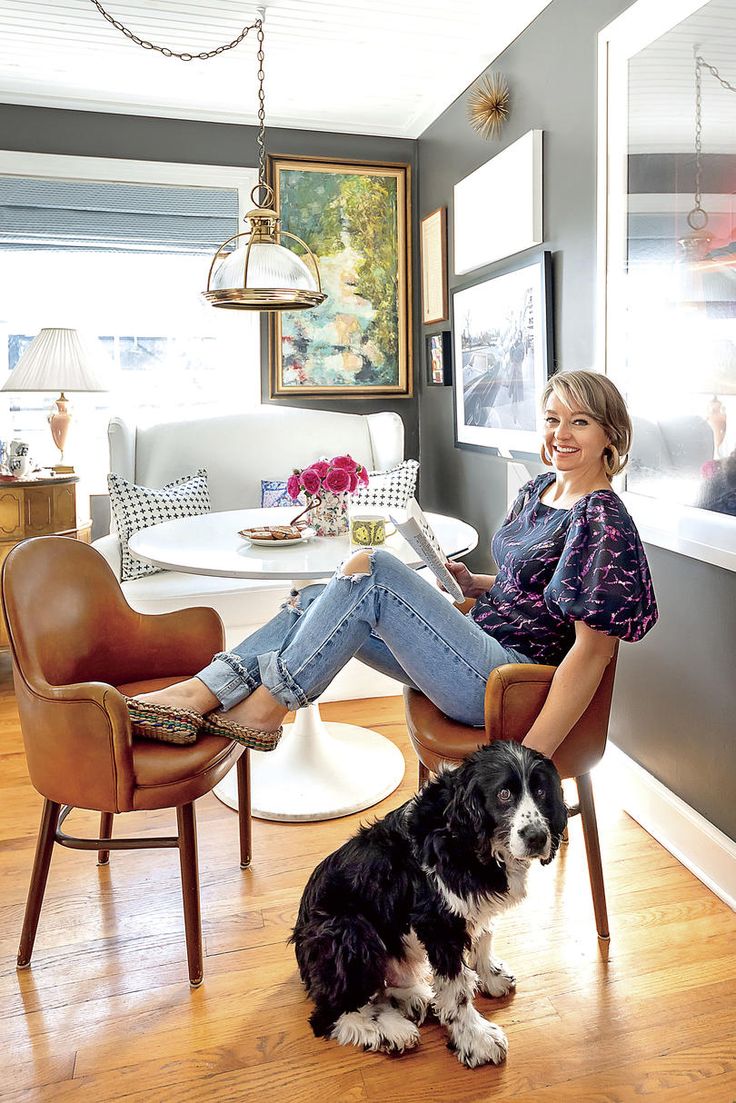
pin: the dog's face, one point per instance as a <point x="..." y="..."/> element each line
<point x="512" y="799"/>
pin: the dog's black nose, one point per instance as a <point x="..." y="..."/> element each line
<point x="534" y="837"/>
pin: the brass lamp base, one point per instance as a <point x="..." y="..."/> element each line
<point x="62" y="469"/>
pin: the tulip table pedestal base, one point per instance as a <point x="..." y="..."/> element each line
<point x="319" y="771"/>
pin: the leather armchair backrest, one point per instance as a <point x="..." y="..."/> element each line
<point x="66" y="615"/>
<point x="515" y="696"/>
<point x="69" y="631"/>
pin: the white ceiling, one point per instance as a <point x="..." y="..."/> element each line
<point x="386" y="67"/>
<point x="662" y="89"/>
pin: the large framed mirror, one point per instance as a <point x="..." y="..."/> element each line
<point x="667" y="264"/>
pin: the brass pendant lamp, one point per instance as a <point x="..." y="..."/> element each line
<point x="259" y="272"/>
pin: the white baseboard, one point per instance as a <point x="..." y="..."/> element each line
<point x="692" y="839"/>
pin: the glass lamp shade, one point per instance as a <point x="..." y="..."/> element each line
<point x="262" y="274"/>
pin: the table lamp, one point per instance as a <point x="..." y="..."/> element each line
<point x="56" y="360"/>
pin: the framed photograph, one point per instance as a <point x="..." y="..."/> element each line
<point x="434" y="267"/>
<point x="498" y="208"/>
<point x="439" y="359"/>
<point x="503" y="345"/>
<point x="356" y="220"/>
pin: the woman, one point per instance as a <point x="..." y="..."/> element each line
<point x="572" y="577"/>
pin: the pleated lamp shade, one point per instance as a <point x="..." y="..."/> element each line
<point x="55" y="360"/>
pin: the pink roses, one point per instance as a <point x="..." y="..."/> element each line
<point x="340" y="475"/>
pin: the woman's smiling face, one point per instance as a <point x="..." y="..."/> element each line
<point x="574" y="440"/>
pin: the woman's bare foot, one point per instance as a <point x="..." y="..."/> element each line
<point x="190" y="694"/>
<point x="260" y="711"/>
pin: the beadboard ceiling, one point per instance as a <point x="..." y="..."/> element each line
<point x="662" y="90"/>
<point x="385" y="67"/>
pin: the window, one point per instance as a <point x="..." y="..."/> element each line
<point x="120" y="251"/>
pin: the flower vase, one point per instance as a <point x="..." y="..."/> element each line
<point x="329" y="515"/>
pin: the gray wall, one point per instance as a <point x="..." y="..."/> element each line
<point x="675" y="703"/>
<point x="94" y="134"/>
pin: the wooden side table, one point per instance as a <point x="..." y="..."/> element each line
<point x="43" y="506"/>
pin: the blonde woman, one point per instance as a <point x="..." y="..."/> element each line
<point x="572" y="578"/>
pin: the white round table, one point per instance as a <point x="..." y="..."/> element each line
<point x="319" y="770"/>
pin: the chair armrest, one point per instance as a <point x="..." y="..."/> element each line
<point x="465" y="606"/>
<point x="81" y="749"/>
<point x="181" y="642"/>
<point x="515" y="695"/>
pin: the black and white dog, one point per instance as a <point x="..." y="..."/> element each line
<point x="400" y="919"/>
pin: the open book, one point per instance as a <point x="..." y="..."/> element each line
<point x="417" y="531"/>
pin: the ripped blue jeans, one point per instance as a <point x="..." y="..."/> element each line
<point x="390" y="618"/>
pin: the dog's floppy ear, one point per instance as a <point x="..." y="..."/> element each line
<point x="557" y="811"/>
<point x="465" y="811"/>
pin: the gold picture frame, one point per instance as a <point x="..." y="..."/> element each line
<point x="356" y="217"/>
<point x="433" y="241"/>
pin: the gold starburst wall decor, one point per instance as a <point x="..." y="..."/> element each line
<point x="488" y="105"/>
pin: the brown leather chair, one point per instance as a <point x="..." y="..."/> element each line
<point x="77" y="647"/>
<point x="515" y="694"/>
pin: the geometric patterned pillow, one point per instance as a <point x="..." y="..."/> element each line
<point x="273" y="493"/>
<point x="137" y="507"/>
<point x="388" y="489"/>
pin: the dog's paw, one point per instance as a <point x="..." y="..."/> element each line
<point x="413" y="1001"/>
<point x="496" y="979"/>
<point x="485" y="1044"/>
<point x="396" y="1034"/>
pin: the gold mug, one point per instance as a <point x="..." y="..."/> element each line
<point x="367" y="532"/>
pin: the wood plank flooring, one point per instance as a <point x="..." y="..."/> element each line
<point x="105" y="1013"/>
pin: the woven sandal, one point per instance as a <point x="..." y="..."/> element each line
<point x="257" y="740"/>
<point x="163" y="723"/>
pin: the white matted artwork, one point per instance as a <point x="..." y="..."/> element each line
<point x="502" y="333"/>
<point x="498" y="208"/>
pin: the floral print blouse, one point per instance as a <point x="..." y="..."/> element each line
<point x="557" y="566"/>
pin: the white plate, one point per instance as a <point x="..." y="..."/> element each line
<point x="305" y="536"/>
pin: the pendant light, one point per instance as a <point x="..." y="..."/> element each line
<point x="259" y="273"/>
<point x="707" y="276"/>
<point x="254" y="270"/>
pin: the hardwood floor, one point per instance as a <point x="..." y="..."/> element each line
<point x="105" y="1011"/>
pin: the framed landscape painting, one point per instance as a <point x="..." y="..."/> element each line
<point x="356" y="220"/>
<point x="502" y="333"/>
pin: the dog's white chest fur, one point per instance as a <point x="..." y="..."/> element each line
<point x="479" y="911"/>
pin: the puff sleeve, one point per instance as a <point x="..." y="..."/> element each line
<point x="520" y="501"/>
<point x="602" y="576"/>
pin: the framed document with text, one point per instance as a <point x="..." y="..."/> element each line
<point x="434" y="267"/>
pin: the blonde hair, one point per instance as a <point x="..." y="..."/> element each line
<point x="596" y="395"/>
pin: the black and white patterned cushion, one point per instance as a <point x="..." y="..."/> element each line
<point x="137" y="507"/>
<point x="388" y="489"/>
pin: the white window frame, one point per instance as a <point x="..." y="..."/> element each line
<point x="697" y="533"/>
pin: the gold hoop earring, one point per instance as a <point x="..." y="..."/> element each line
<point x="545" y="456"/>
<point x="611" y="461"/>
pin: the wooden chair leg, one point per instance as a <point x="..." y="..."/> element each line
<point x="190" y="891"/>
<point x="106" y="818"/>
<point x="593" y="851"/>
<point x="39" y="876"/>
<point x="423" y="774"/>
<point x="244" y="819"/>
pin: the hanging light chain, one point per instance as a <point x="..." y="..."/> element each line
<point x="714" y="72"/>
<point x="698" y="218"/>
<point x="261" y="139"/>
<point x="164" y="50"/>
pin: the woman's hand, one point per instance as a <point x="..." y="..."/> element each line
<point x="472" y="585"/>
